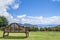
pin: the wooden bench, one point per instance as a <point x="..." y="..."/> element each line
<point x="15" y="28"/>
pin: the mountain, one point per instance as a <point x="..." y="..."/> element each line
<point x="49" y="25"/>
<point x="28" y="25"/>
<point x="39" y="25"/>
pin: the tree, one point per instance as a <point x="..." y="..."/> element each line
<point x="3" y="21"/>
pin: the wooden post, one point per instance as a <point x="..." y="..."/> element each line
<point x="7" y="33"/>
<point x="27" y="34"/>
<point x="26" y="31"/>
<point x="3" y="34"/>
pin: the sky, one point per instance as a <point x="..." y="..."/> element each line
<point x="31" y="11"/>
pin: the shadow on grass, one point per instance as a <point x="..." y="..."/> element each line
<point x="13" y="37"/>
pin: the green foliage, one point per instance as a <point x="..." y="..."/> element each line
<point x="3" y="21"/>
<point x="56" y="28"/>
<point x="32" y="28"/>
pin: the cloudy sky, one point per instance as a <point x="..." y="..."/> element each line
<point x="31" y="11"/>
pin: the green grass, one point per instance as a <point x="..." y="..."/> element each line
<point x="32" y="36"/>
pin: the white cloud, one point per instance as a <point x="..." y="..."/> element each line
<point x="24" y="18"/>
<point x="21" y="16"/>
<point x="16" y="6"/>
<point x="39" y="19"/>
<point x="56" y="0"/>
<point x="4" y="4"/>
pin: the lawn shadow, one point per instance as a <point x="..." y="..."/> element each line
<point x="13" y="37"/>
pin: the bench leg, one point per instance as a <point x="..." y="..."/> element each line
<point x="3" y="34"/>
<point x="7" y="33"/>
<point x="27" y="34"/>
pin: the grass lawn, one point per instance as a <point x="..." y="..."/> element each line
<point x="32" y="36"/>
